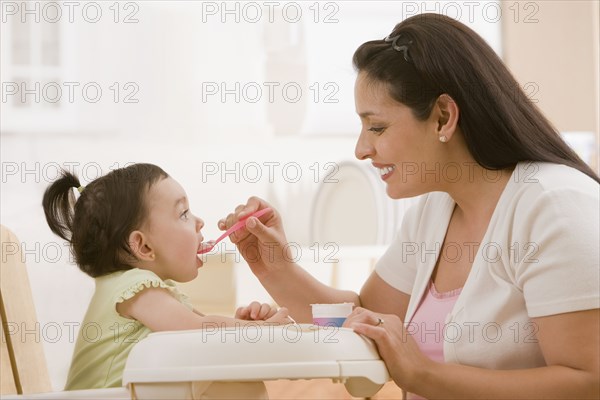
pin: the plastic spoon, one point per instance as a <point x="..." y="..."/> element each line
<point x="235" y="227"/>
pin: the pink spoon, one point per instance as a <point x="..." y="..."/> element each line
<point x="237" y="226"/>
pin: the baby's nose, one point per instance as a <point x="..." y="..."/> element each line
<point x="199" y="224"/>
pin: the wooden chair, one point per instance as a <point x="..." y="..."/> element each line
<point x="23" y="366"/>
<point x="23" y="370"/>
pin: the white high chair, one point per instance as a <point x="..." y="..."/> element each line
<point x="209" y="363"/>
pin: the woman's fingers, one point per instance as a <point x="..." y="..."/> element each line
<point x="241" y="211"/>
<point x="253" y="204"/>
<point x="364" y="316"/>
<point x="225" y="223"/>
<point x="377" y="333"/>
<point x="258" y="229"/>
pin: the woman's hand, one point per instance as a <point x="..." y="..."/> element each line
<point x="397" y="348"/>
<point x="262" y="244"/>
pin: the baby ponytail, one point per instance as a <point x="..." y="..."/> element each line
<point x="97" y="225"/>
<point x="59" y="203"/>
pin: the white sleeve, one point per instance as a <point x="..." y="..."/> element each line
<point x="560" y="271"/>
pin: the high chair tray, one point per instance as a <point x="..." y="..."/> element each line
<point x="255" y="352"/>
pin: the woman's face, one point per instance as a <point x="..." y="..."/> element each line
<point x="405" y="150"/>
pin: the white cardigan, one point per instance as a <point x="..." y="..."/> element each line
<point x="539" y="256"/>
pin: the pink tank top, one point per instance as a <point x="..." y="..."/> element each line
<point x="427" y="324"/>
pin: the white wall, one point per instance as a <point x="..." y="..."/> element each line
<point x="543" y="41"/>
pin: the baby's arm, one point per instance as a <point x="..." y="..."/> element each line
<point x="158" y="310"/>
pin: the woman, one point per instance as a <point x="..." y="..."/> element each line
<point x="491" y="288"/>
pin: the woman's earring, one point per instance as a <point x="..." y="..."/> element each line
<point x="152" y="256"/>
<point x="443" y="139"/>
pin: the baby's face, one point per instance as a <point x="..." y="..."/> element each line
<point x="172" y="232"/>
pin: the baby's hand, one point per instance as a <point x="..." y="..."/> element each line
<point x="256" y="311"/>
<point x="282" y="316"/>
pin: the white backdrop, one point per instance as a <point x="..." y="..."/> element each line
<point x="233" y="99"/>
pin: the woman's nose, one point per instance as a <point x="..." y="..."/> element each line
<point x="363" y="149"/>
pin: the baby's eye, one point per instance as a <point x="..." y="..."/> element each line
<point x="377" y="131"/>
<point x="185" y="215"/>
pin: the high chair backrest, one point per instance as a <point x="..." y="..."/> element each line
<point x="23" y="367"/>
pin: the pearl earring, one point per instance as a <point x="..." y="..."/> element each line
<point x="153" y="256"/>
<point x="443" y="139"/>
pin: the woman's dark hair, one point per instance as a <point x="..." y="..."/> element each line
<point x="430" y="54"/>
<point x="98" y="224"/>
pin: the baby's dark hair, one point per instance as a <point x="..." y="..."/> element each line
<point x="99" y="222"/>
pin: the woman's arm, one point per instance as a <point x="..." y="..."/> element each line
<point x="158" y="310"/>
<point x="570" y="343"/>
<point x="263" y="246"/>
<point x="378" y="296"/>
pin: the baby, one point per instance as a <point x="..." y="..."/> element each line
<point x="132" y="230"/>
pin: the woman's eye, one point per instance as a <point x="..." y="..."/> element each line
<point x="376" y="130"/>
<point x="184" y="215"/>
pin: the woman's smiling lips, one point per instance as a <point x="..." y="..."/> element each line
<point x="385" y="170"/>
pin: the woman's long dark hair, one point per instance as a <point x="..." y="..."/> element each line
<point x="431" y="54"/>
<point x="98" y="224"/>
